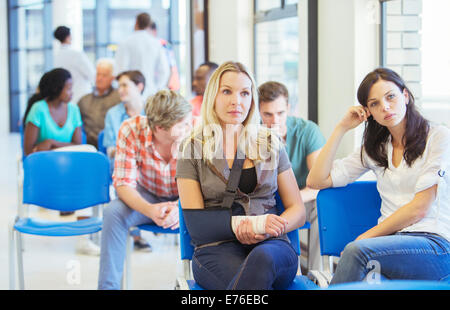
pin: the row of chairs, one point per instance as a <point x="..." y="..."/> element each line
<point x="70" y="181"/>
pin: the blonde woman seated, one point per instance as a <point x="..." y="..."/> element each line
<point x="257" y="254"/>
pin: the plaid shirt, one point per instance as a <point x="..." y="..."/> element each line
<point x="137" y="160"/>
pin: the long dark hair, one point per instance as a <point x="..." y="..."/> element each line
<point x="50" y="87"/>
<point x="375" y="135"/>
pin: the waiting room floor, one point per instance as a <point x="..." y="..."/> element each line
<point x="52" y="264"/>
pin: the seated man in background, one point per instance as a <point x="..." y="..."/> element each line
<point x="201" y="78"/>
<point x="93" y="106"/>
<point x="303" y="141"/>
<point x="131" y="87"/>
<point x="144" y="178"/>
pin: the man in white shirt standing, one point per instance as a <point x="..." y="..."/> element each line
<point x="76" y="62"/>
<point x="142" y="51"/>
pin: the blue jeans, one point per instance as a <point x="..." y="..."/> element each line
<point x="117" y="220"/>
<point x="271" y="264"/>
<point x="406" y="256"/>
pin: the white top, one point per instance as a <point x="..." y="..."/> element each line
<point x="398" y="186"/>
<point x="81" y="69"/>
<point x="141" y="51"/>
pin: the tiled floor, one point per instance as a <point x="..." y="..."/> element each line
<point x="51" y="263"/>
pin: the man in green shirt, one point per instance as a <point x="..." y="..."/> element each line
<point x="303" y="141"/>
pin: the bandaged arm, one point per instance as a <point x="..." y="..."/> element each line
<point x="258" y="223"/>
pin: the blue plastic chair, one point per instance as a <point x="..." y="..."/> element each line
<point x="100" y="146"/>
<point x="83" y="136"/>
<point x="186" y="249"/>
<point x="346" y="212"/>
<point x="63" y="181"/>
<point x="343" y="214"/>
<point x="393" y="285"/>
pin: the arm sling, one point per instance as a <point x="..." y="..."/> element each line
<point x="212" y="226"/>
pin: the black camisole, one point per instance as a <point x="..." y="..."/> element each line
<point x="248" y="181"/>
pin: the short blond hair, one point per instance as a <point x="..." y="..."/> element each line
<point x="165" y="109"/>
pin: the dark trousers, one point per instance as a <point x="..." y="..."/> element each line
<point x="271" y="264"/>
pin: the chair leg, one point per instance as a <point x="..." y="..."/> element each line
<point x="12" y="265"/>
<point x="126" y="277"/>
<point x="331" y="263"/>
<point x="20" y="260"/>
<point x="187" y="269"/>
<point x="308" y="258"/>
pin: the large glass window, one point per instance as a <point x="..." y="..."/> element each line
<point x="277" y="54"/>
<point x="277" y="45"/>
<point x="106" y="23"/>
<point x="89" y="29"/>
<point x="29" y="51"/>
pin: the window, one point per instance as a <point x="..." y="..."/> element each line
<point x="89" y="31"/>
<point x="30" y="51"/>
<point x="277" y="47"/>
<point x="412" y="34"/>
<point x="277" y="54"/>
<point x="106" y="23"/>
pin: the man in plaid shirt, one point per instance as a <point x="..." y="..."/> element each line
<point x="144" y="178"/>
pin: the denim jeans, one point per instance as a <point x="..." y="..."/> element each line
<point x="117" y="220"/>
<point x="406" y="256"/>
<point x="271" y="264"/>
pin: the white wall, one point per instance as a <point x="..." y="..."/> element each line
<point x="348" y="40"/>
<point x="231" y="31"/>
<point x="4" y="72"/>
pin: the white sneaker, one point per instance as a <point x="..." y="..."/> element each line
<point x="86" y="247"/>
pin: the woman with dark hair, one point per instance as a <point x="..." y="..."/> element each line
<point x="411" y="159"/>
<point x="50" y="120"/>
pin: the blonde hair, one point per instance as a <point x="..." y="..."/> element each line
<point x="254" y="135"/>
<point x="165" y="109"/>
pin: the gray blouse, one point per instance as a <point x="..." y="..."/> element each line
<point x="214" y="175"/>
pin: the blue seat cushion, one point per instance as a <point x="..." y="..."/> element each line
<point x="393" y="285"/>
<point x="300" y="283"/>
<point x="157" y="229"/>
<point x="194" y="286"/>
<point x="41" y="227"/>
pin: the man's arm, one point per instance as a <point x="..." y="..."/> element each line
<point x="160" y="213"/>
